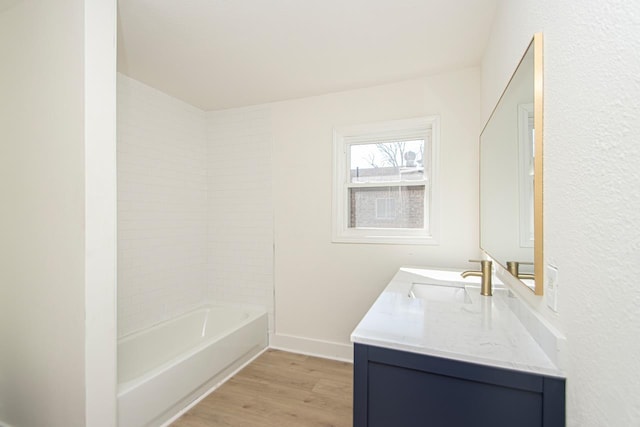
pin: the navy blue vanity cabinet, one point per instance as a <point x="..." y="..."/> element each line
<point x="395" y="388"/>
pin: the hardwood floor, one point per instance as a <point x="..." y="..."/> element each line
<point x="279" y="389"/>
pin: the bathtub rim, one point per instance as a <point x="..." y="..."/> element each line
<point x="253" y="312"/>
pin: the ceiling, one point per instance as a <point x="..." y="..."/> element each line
<point x="6" y="4"/>
<point x="218" y="54"/>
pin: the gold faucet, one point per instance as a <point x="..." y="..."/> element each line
<point x="514" y="268"/>
<point x="484" y="274"/>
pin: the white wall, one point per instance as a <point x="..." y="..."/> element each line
<point x="48" y="125"/>
<point x="162" y="206"/>
<point x="272" y="165"/>
<point x="322" y="288"/>
<point x="195" y="207"/>
<point x="100" y="212"/>
<point x="591" y="181"/>
<point x="240" y="212"/>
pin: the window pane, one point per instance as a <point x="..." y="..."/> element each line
<point x="387" y="161"/>
<point x="387" y="207"/>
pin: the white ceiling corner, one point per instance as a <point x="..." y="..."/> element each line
<point x="218" y="54"/>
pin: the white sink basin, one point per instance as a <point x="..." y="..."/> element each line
<point x="446" y="293"/>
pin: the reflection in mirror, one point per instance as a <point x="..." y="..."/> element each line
<point x="526" y="154"/>
<point x="511" y="174"/>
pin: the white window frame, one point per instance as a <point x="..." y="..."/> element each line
<point x="343" y="138"/>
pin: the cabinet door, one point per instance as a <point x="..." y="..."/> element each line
<point x="399" y="396"/>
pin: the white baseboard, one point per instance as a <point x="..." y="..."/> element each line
<point x="312" y="347"/>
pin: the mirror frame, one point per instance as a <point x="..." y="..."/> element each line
<point x="538" y="103"/>
<point x="538" y="120"/>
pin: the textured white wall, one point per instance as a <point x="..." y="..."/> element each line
<point x="162" y="206"/>
<point x="592" y="202"/>
<point x="240" y="214"/>
<point x="323" y="289"/>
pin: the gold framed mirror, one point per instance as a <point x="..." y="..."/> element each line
<point x="511" y="174"/>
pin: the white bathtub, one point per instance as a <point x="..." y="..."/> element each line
<point x="164" y="368"/>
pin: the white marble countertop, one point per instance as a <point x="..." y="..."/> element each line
<point x="483" y="330"/>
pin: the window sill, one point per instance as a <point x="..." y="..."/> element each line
<point x="389" y="240"/>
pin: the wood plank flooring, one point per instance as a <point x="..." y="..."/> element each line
<point x="279" y="389"/>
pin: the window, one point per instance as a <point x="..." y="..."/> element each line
<point x="384" y="182"/>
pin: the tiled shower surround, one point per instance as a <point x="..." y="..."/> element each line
<point x="194" y="207"/>
<point x="240" y="207"/>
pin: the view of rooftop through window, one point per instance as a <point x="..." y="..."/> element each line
<point x="384" y="181"/>
<point x="387" y="161"/>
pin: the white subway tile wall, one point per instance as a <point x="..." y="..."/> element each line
<point x="162" y="206"/>
<point x="195" y="215"/>
<point x="240" y="207"/>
